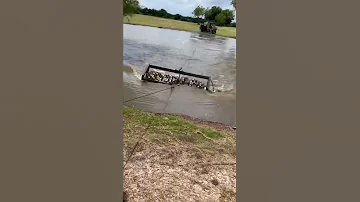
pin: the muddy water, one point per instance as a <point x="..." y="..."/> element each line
<point x="196" y="53"/>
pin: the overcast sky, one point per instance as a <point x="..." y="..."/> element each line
<point x="184" y="7"/>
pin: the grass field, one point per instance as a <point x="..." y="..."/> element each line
<point x="176" y="158"/>
<point x="175" y="24"/>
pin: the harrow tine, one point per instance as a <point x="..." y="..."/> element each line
<point x="157" y="77"/>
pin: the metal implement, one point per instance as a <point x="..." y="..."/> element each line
<point x="156" y="77"/>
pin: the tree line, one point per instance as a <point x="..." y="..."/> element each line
<point x="221" y="17"/>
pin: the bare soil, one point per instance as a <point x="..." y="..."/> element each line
<point x="166" y="166"/>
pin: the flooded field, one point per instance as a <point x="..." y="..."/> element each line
<point x="196" y="53"/>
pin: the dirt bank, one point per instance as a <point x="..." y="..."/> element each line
<point x="177" y="158"/>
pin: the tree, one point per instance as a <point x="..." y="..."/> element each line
<point x="211" y="13"/>
<point x="131" y="7"/>
<point x="228" y="16"/>
<point x="162" y="13"/>
<point x="177" y="17"/>
<point x="220" y="19"/>
<point x="199" y="12"/>
<point x="233" y="3"/>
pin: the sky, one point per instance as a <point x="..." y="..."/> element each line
<point x="184" y="7"/>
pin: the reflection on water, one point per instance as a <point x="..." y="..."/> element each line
<point x="198" y="53"/>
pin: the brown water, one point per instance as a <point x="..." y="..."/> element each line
<point x="197" y="53"/>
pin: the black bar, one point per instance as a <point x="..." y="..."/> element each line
<point x="179" y="72"/>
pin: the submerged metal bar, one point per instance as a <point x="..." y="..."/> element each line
<point x="178" y="72"/>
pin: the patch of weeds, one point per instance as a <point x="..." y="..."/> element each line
<point x="164" y="128"/>
<point x="187" y="138"/>
<point x="167" y="122"/>
<point x="137" y="116"/>
<point x="211" y="133"/>
<point x="160" y="139"/>
<point x="174" y="123"/>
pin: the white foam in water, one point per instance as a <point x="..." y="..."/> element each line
<point x="137" y="74"/>
<point x="134" y="72"/>
<point x="221" y="87"/>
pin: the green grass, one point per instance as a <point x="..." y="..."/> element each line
<point x="168" y="122"/>
<point x="175" y="24"/>
<point x="165" y="129"/>
<point x="211" y="133"/>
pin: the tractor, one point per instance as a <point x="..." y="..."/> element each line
<point x="208" y="26"/>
